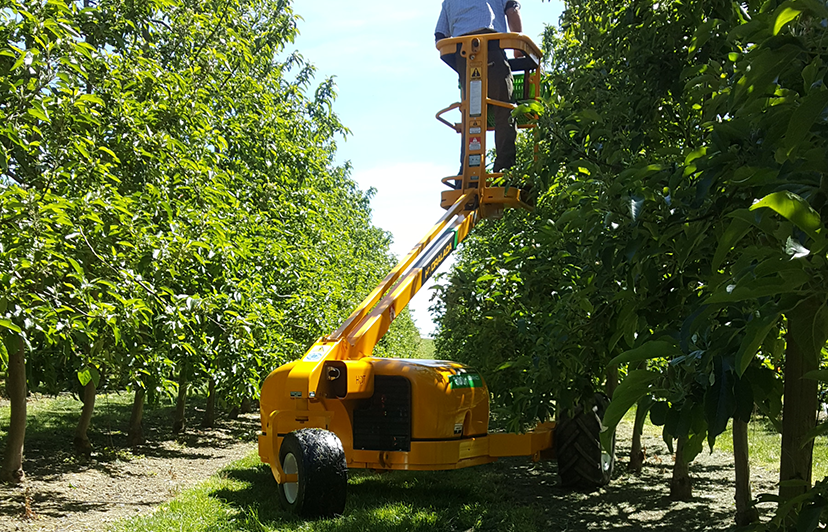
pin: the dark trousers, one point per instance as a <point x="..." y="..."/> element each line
<point x="501" y="85"/>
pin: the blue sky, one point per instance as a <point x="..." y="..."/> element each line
<point x="390" y="83"/>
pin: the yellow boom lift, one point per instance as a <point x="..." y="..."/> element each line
<point x="338" y="407"/>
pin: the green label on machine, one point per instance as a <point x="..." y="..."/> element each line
<point x="465" y="380"/>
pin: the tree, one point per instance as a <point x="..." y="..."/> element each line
<point x="166" y="200"/>
<point x="682" y="157"/>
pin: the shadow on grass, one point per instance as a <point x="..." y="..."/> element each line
<point x="51" y="429"/>
<point x="376" y="501"/>
<point x="509" y="495"/>
<point x="49" y="453"/>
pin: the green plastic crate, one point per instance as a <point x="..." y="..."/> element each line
<point x="517" y="97"/>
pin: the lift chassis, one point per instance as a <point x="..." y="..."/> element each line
<point x="339" y="408"/>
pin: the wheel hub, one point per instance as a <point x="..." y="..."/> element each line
<point x="290" y="467"/>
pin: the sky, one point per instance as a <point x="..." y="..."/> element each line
<point x="390" y="83"/>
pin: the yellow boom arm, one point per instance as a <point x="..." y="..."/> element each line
<point x="474" y="195"/>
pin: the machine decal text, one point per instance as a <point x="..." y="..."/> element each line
<point x="465" y="380"/>
<point x="435" y="263"/>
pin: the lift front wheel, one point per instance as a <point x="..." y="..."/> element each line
<point x="316" y="457"/>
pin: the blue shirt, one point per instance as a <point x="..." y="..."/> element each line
<point x="459" y="17"/>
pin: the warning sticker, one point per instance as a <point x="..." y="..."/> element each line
<point x="474" y="160"/>
<point x="475" y="72"/>
<point x="476" y="97"/>
<point x="317" y="353"/>
<point x="474" y="144"/>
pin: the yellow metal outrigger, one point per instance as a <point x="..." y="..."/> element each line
<point x="400" y="414"/>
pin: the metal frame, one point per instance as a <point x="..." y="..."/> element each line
<point x="492" y="199"/>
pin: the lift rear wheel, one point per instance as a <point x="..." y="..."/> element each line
<point x="317" y="458"/>
<point x="582" y="462"/>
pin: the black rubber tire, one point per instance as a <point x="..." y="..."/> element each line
<point x="582" y="462"/>
<point x="319" y="460"/>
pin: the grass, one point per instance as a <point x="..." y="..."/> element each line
<point x="243" y="497"/>
<point x="765" y="445"/>
<point x="54" y="418"/>
<point x="51" y="422"/>
<point x="512" y="494"/>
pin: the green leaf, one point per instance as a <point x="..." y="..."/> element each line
<point x="765" y="67"/>
<point x="702" y="35"/>
<point x="40" y="114"/>
<point x="803" y="118"/>
<point x="9" y="325"/>
<point x="694" y="446"/>
<point x="642" y="408"/>
<point x="75" y="265"/>
<point x="111" y="153"/>
<point x="795" y="209"/>
<point x="96" y="376"/>
<point x="84" y="376"/>
<point x="92" y="98"/>
<point x="817" y="375"/>
<point x="735" y="232"/>
<point x="632" y="388"/>
<point x="745" y="401"/>
<point x="755" y="332"/>
<point x="647" y="351"/>
<point x="719" y="400"/>
<point x="785" y="15"/>
<point x="82" y="149"/>
<point x="4" y="357"/>
<point x="505" y="365"/>
<point x="758" y="288"/>
<point x="753" y="175"/>
<point x="658" y="413"/>
<point x="819" y="430"/>
<point x="809" y="516"/>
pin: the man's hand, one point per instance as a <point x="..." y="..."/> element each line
<point x="513" y="20"/>
<point x="515" y="25"/>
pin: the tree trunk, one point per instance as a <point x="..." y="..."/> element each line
<point x="12" y="470"/>
<point x="746" y="513"/>
<point x="180" y="421"/>
<point x="81" y="442"/>
<point x="210" y="410"/>
<point x="135" y="433"/>
<point x="681" y="485"/>
<point x="805" y="338"/>
<point x="636" y="451"/>
<point x="641" y="409"/>
<point x="612" y="381"/>
<point x="246" y="406"/>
